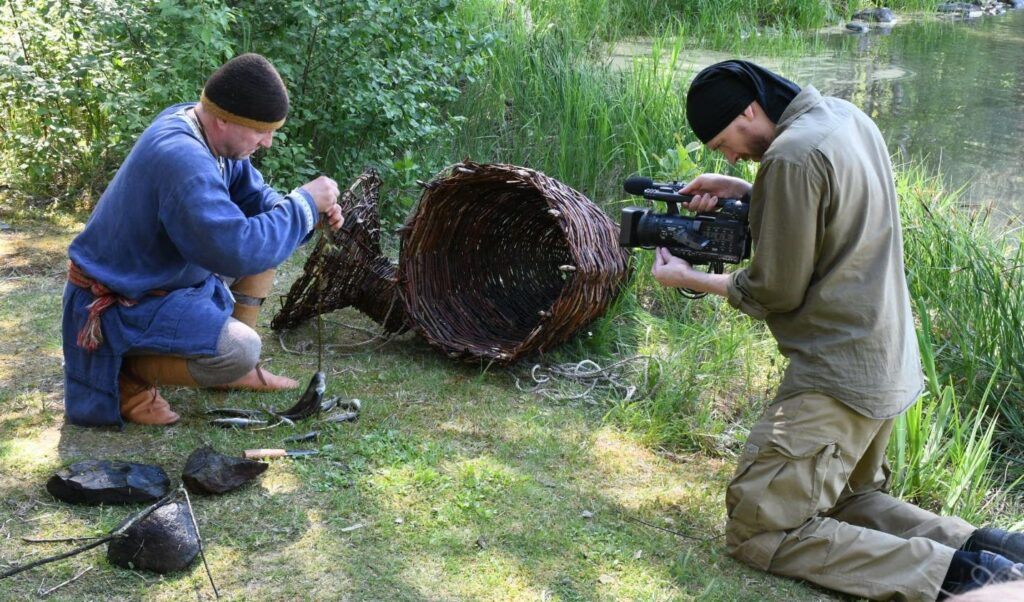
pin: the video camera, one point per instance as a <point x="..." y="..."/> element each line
<point x="711" y="239"/>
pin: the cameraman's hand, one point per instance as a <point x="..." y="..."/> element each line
<point x="324" y="191"/>
<point x="672" y="271"/>
<point x="708" y="188"/>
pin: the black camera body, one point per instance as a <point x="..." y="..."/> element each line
<point x="711" y="239"/>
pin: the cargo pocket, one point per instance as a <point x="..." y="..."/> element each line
<point x="780" y="485"/>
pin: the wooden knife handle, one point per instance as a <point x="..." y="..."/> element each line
<point x="258" y="454"/>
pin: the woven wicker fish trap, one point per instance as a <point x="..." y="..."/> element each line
<point x="347" y="267"/>
<point x="496" y="262"/>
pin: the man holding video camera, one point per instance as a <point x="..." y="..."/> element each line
<point x="809" y="497"/>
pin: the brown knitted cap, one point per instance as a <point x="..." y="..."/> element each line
<point x="247" y="90"/>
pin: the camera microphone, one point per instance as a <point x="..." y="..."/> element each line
<point x="667" y="193"/>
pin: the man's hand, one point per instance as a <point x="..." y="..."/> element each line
<point x="325" y="194"/>
<point x="334" y="217"/>
<point x="672" y="271"/>
<point x="708" y="188"/>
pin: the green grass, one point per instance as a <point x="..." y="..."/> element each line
<point x="457" y="485"/>
<point x="964" y="270"/>
<point x="941" y="447"/>
<point x="460" y="486"/>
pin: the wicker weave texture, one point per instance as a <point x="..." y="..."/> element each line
<point x="496" y="262"/>
<point x="499" y="261"/>
<point x="347" y="267"/>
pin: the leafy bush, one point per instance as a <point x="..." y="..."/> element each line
<point x="368" y="78"/>
<point x="80" y="79"/>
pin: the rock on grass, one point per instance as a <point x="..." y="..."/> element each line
<point x="108" y="482"/>
<point x="163" y="542"/>
<point x="209" y="471"/>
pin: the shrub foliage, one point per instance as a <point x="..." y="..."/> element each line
<point x="80" y="79"/>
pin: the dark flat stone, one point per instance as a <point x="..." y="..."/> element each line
<point x="163" y="542"/>
<point x="108" y="482"/>
<point x="209" y="471"/>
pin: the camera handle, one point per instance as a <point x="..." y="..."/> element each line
<point x="672" y="199"/>
<point x="737" y="208"/>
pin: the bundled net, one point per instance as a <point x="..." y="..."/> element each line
<point x="496" y="262"/>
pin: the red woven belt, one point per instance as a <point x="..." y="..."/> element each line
<point x="91" y="335"/>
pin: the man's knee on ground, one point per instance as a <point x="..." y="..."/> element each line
<point x="779" y="486"/>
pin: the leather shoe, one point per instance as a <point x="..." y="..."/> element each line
<point x="147" y="406"/>
<point x="1004" y="543"/>
<point x="259" y="379"/>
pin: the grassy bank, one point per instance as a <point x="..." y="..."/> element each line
<point x="452" y="485"/>
<point x="455" y="483"/>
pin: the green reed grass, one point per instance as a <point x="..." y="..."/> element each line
<point x="554" y="97"/>
<point x="965" y="273"/>
<point x="545" y="102"/>
<point x="940" y="452"/>
<point x="551" y="100"/>
<point x="555" y="103"/>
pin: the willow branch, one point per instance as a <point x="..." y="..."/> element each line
<point x="118" y="532"/>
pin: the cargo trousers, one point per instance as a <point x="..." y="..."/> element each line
<point x="809" y="501"/>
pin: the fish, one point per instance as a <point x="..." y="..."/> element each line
<point x="353" y="404"/>
<point x="309" y="404"/>
<point x="238" y="422"/>
<point x="303" y="437"/>
<point x="343" y="417"/>
<point x="233" y="412"/>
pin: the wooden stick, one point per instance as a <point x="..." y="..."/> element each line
<point x="199" y="538"/>
<point x="60" y="585"/>
<point x="118" y="532"/>
<point x="59" y="539"/>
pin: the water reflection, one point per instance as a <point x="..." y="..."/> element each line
<point x="949" y="93"/>
<point x="946" y="92"/>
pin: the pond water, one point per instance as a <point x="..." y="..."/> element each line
<point x="949" y="93"/>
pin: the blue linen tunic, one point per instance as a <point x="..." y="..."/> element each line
<point x="170" y="221"/>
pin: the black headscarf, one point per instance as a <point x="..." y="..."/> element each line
<point x="720" y="92"/>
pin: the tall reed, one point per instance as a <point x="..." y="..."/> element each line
<point x="965" y="274"/>
<point x="545" y="102"/>
<point x="940" y="452"/>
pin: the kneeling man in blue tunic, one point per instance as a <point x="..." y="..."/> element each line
<point x="166" y="280"/>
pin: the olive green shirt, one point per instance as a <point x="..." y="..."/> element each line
<point x="827" y="270"/>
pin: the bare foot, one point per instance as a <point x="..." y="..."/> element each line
<point x="259" y="379"/>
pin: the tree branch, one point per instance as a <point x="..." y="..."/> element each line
<point x="118" y="532"/>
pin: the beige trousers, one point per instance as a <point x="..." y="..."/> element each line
<point x="809" y="501"/>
